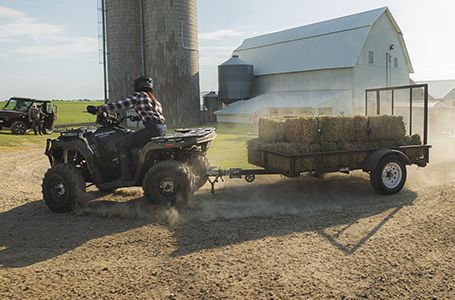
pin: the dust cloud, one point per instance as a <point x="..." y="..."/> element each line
<point x="127" y="204"/>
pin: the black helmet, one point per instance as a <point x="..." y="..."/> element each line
<point x="143" y="84"/>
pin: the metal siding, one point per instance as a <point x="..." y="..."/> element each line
<point x="381" y="36"/>
<point x="337" y="50"/>
<point x="123" y="46"/>
<point x="173" y="60"/>
<point x="330" y="26"/>
<point x="333" y="79"/>
<point x="339" y="100"/>
<point x="441" y="89"/>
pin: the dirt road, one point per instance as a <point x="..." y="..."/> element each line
<point x="305" y="238"/>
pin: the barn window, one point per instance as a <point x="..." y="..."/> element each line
<point x="395" y="62"/>
<point x="371" y="57"/>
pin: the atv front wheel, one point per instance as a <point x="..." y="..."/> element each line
<point x="19" y="127"/>
<point x="63" y="188"/>
<point x="168" y="183"/>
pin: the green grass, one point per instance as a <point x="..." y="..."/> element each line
<point x="229" y="149"/>
<point x="69" y="112"/>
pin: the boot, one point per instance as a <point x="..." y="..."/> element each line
<point x="125" y="167"/>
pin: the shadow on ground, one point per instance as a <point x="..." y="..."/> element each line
<point x="330" y="207"/>
<point x="31" y="233"/>
<point x="236" y="214"/>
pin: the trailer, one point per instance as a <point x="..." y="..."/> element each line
<point x="386" y="166"/>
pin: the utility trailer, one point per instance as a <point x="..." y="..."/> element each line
<point x="386" y="166"/>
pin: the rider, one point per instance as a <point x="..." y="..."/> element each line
<point x="149" y="110"/>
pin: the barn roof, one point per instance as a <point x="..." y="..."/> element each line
<point x="330" y="44"/>
<point x="439" y="89"/>
<point x="293" y="99"/>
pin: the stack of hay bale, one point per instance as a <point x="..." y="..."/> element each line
<point x="325" y="134"/>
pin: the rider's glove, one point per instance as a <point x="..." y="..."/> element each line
<point x="135" y="118"/>
<point x="91" y="109"/>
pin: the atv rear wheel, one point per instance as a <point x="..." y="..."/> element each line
<point x="168" y="183"/>
<point x="19" y="127"/>
<point x="63" y="188"/>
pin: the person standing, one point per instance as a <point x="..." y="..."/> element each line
<point x="34" y="116"/>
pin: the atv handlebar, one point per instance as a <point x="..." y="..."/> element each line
<point x="110" y="119"/>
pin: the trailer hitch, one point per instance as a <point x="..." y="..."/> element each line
<point x="213" y="182"/>
<point x="215" y="175"/>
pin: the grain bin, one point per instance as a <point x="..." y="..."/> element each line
<point x="161" y="37"/>
<point x="235" y="80"/>
<point x="212" y="101"/>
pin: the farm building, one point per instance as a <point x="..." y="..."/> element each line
<point x="321" y="68"/>
<point x="442" y="90"/>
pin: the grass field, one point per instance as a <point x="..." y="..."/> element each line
<point x="73" y="112"/>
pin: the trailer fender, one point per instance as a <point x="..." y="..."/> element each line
<point x="374" y="158"/>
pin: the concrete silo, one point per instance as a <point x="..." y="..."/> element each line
<point x="123" y="41"/>
<point x="165" y="46"/>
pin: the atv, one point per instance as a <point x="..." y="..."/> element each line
<point x="14" y="115"/>
<point x="169" y="168"/>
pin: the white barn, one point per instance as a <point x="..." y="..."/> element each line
<point x="322" y="68"/>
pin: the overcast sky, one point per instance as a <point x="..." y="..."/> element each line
<point x="49" y="48"/>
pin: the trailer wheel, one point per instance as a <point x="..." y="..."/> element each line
<point x="63" y="188"/>
<point x="389" y="176"/>
<point x="168" y="183"/>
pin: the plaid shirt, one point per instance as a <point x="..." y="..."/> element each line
<point x="143" y="105"/>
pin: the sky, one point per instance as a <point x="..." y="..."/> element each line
<point x="49" y="49"/>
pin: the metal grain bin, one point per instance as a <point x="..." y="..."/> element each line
<point x="212" y="101"/>
<point x="235" y="80"/>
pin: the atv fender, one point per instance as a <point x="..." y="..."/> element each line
<point x="374" y="158"/>
<point x="84" y="149"/>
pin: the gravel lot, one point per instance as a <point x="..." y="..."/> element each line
<point x="307" y="238"/>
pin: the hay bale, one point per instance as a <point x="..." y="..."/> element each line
<point x="302" y="130"/>
<point x="271" y="130"/>
<point x="336" y="129"/>
<point x="411" y="140"/>
<point x="255" y="156"/>
<point x="335" y="160"/>
<point x="278" y="163"/>
<point x="386" y="128"/>
<point x="360" y="128"/>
